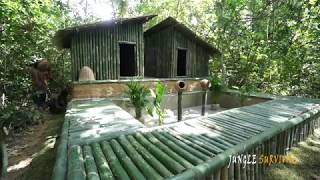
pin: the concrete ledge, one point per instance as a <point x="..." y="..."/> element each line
<point x="111" y="88"/>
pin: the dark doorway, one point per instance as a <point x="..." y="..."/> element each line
<point x="182" y="62"/>
<point x="127" y="60"/>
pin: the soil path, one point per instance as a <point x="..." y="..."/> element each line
<point x="31" y="153"/>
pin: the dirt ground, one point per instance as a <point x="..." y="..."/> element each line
<point x="31" y="153"/>
<point x="308" y="167"/>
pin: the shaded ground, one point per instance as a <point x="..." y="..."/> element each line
<point x="170" y="115"/>
<point x="32" y="153"/>
<point x="308" y="167"/>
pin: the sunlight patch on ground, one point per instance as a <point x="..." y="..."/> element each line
<point x="170" y="115"/>
<point x="48" y="144"/>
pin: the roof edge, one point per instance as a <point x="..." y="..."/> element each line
<point x="62" y="37"/>
<point x="170" y="21"/>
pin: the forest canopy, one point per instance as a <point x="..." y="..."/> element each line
<point x="270" y="46"/>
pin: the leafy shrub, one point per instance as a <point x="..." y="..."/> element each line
<point x="138" y="96"/>
<point x="216" y="83"/>
<point x="217" y="86"/>
<point x="160" y="90"/>
<point x="245" y="91"/>
<point x="17" y="115"/>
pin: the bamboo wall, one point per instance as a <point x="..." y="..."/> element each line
<point x="197" y="56"/>
<point x="99" y="49"/>
<point x="161" y="54"/>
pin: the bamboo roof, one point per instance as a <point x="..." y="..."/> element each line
<point x="63" y="37"/>
<point x="171" y="22"/>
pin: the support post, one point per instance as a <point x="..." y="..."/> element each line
<point x="204" y="103"/>
<point x="205" y="85"/>
<point x="180" y="87"/>
<point x="179" y="106"/>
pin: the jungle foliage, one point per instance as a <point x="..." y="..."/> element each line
<point x="26" y="31"/>
<point x="271" y="45"/>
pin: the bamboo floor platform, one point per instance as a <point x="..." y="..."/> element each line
<point x="101" y="141"/>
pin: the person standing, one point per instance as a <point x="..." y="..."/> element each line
<point x="40" y="72"/>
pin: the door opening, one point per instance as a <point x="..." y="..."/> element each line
<point x="127" y="59"/>
<point x="182" y="62"/>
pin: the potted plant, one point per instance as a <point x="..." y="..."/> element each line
<point x="138" y="96"/>
<point x="216" y="88"/>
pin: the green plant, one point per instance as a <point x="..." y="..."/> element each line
<point x="245" y="91"/>
<point x="138" y="96"/>
<point x="160" y="90"/>
<point x="217" y="86"/>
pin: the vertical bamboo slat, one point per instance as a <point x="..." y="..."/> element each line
<point x="109" y="52"/>
<point x="73" y="54"/>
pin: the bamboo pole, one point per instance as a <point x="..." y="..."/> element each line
<point x="260" y="120"/>
<point x="243" y="172"/>
<point x="236" y="130"/>
<point x="168" y="151"/>
<point x="295" y="137"/>
<point x="257" y="122"/>
<point x="204" y="103"/>
<point x="252" y="166"/>
<point x="191" y="144"/>
<point x="226" y="137"/>
<point x="60" y="165"/>
<point x="103" y="167"/>
<point x="237" y="171"/>
<point x="115" y="165"/>
<point x="130" y="167"/>
<point x="201" y="142"/>
<point x="231" y="171"/>
<point x="170" y="163"/>
<point x="248" y="167"/>
<point x="217" y="174"/>
<point x="180" y="151"/>
<point x="224" y="173"/>
<point x="186" y="147"/>
<point x="291" y="138"/>
<point x="75" y="167"/>
<point x="233" y="124"/>
<point x="91" y="168"/>
<point x="179" y="106"/>
<point x="155" y="163"/>
<point x="256" y="166"/>
<point x="146" y="169"/>
<point x="225" y="131"/>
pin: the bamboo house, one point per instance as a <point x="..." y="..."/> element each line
<point x="112" y="49"/>
<point x="173" y="50"/>
<point x="119" y="48"/>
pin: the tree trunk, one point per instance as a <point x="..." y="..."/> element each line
<point x="4" y="157"/>
<point x="138" y="112"/>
